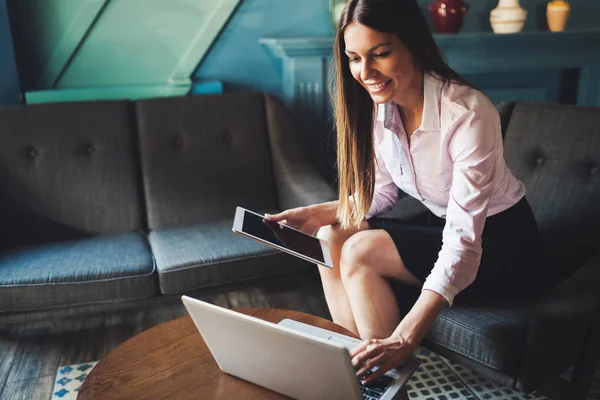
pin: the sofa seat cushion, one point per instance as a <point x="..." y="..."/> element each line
<point x="492" y="336"/>
<point x="93" y="270"/>
<point x="207" y="255"/>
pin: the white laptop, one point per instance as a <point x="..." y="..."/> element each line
<point x="291" y="358"/>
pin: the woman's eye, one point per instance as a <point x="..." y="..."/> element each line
<point x="352" y="59"/>
<point x="382" y="55"/>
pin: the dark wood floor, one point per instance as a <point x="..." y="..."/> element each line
<point x="30" y="356"/>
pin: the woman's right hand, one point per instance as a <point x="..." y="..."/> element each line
<point x="306" y="219"/>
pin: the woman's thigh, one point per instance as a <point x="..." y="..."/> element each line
<point x="375" y="250"/>
<point x="416" y="242"/>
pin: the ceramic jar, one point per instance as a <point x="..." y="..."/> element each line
<point x="448" y="16"/>
<point x="508" y="17"/>
<point x="557" y="13"/>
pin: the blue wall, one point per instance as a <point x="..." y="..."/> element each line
<point x="242" y="64"/>
<point x="9" y="81"/>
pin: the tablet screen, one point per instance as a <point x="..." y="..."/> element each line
<point x="281" y="235"/>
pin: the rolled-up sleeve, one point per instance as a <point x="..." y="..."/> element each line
<point x="473" y="146"/>
<point x="385" y="193"/>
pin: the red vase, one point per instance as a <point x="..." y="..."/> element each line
<point x="448" y="15"/>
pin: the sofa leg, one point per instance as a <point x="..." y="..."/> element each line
<point x="583" y="373"/>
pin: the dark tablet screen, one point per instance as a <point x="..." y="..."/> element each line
<point x="283" y="236"/>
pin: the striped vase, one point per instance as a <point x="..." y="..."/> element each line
<point x="508" y="17"/>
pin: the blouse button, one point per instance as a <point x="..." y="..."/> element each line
<point x="540" y="160"/>
<point x="594" y="170"/>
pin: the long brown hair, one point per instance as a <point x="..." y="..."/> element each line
<point x="354" y="108"/>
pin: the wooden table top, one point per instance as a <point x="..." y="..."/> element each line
<point x="171" y="361"/>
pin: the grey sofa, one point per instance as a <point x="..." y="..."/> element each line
<point x="108" y="202"/>
<point x="555" y="150"/>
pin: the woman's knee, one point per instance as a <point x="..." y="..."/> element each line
<point x="358" y="252"/>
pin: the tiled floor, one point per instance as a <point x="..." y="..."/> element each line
<point x="439" y="379"/>
<point x="436" y="379"/>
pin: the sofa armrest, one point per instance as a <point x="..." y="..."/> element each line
<point x="576" y="298"/>
<point x="298" y="181"/>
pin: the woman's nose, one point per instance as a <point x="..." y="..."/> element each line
<point x="366" y="71"/>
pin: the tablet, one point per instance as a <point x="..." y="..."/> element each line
<point x="281" y="237"/>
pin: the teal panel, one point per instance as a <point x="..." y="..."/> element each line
<point x="147" y="41"/>
<point x="48" y="34"/>
<point x="105" y="93"/>
<point x="122" y="92"/>
<point x="115" y="48"/>
<point x="10" y="92"/>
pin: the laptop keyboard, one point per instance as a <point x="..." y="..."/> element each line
<point x="374" y="390"/>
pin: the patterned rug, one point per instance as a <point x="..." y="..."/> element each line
<point x="436" y="379"/>
<point x="69" y="379"/>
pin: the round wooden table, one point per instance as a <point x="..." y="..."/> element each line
<point x="171" y="361"/>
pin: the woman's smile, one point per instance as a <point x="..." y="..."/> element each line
<point x="378" y="87"/>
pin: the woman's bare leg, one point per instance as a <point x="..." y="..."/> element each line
<point x="367" y="259"/>
<point x="335" y="294"/>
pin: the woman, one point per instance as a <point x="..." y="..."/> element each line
<point x="406" y="120"/>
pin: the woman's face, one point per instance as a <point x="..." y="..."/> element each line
<point x="380" y="63"/>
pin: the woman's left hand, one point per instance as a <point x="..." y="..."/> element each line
<point x="385" y="353"/>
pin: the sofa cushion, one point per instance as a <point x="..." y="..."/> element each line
<point x="211" y="254"/>
<point x="486" y="334"/>
<point x="203" y="156"/>
<point x="93" y="270"/>
<point x="73" y="165"/>
<point x="555" y="150"/>
<point x="492" y="336"/>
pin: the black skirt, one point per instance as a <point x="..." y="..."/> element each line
<point x="511" y="252"/>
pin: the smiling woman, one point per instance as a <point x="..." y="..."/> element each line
<point x="406" y="120"/>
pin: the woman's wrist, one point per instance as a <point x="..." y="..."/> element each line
<point x="415" y="325"/>
<point x="410" y="336"/>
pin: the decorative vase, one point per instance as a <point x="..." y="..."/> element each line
<point x="448" y="15"/>
<point x="557" y="13"/>
<point x="335" y="8"/>
<point x="508" y="17"/>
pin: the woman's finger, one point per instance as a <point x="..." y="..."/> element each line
<point x="277" y="217"/>
<point x="359" y="348"/>
<point x="372" y="350"/>
<point x="392" y="360"/>
<point x="370" y="363"/>
<point x="385" y="365"/>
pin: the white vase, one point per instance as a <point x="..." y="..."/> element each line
<point x="508" y="17"/>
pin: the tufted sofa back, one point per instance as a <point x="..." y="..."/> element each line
<point x="76" y="169"/>
<point x="555" y="150"/>
<point x="203" y="156"/>
<point x="68" y="169"/>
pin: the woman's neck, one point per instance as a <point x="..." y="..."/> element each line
<point x="410" y="104"/>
